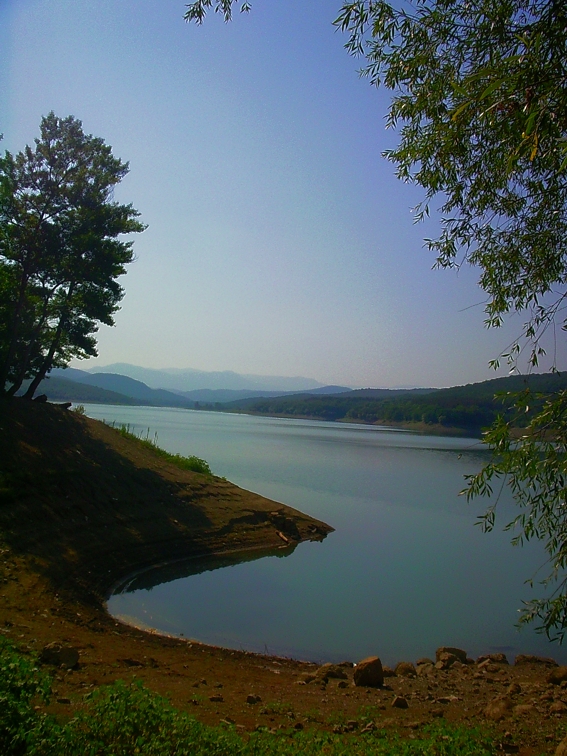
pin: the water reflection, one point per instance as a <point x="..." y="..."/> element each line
<point x="404" y="572"/>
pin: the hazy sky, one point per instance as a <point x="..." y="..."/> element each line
<point x="279" y="240"/>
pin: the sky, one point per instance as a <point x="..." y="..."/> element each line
<point x="279" y="240"/>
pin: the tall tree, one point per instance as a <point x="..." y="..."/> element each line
<point x="480" y="104"/>
<point x="60" y="252"/>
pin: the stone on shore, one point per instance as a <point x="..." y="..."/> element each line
<point x="405" y="669"/>
<point x="557" y="676"/>
<point x="530" y="659"/>
<point x="327" y="671"/>
<point x="368" y="673"/>
<point x="59" y="655"/>
<point x="457" y="652"/>
<point x="494" y="658"/>
<point x="498" y="708"/>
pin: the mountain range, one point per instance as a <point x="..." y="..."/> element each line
<point x="176" y="379"/>
<point x="116" y="388"/>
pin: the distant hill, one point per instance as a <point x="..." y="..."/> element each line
<point x="125" y="386"/>
<point x="62" y="390"/>
<point x="467" y="408"/>
<point x="214" y="396"/>
<point x="174" y="379"/>
<point x="370" y="393"/>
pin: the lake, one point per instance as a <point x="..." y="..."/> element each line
<point x="405" y="571"/>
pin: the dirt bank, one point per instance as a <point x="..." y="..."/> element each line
<point x="81" y="507"/>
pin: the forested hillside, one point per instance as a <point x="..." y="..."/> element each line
<point x="471" y="407"/>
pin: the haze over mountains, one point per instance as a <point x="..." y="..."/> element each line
<point x="176" y="379"/>
<point x="111" y="387"/>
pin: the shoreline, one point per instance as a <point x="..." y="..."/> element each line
<point x="82" y="506"/>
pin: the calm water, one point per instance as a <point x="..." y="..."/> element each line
<point x="404" y="572"/>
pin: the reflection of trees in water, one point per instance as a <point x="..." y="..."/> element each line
<point x="182" y="568"/>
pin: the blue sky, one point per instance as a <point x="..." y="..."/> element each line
<point x="279" y="240"/>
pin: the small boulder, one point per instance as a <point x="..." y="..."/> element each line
<point x="458" y="652"/>
<point x="561" y="749"/>
<point x="59" y="655"/>
<point x="514" y="689"/>
<point x="494" y="658"/>
<point x="327" y="671"/>
<point x="405" y="669"/>
<point x="400" y="702"/>
<point x="522" y="709"/>
<point x="557" y="707"/>
<point x="424" y="660"/>
<point x="252" y="699"/>
<point x="445" y="660"/>
<point x="388" y="672"/>
<point x="557" y="676"/>
<point x="306" y="678"/>
<point x="369" y="673"/>
<point x="530" y="659"/>
<point x="425" y="669"/>
<point x="498" y="708"/>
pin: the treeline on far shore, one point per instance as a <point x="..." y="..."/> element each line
<point x="471" y="407"/>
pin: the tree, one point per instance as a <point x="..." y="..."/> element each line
<point x="60" y="254"/>
<point x="480" y="104"/>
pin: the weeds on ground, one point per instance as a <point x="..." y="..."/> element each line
<point x="195" y="464"/>
<point x="124" y="719"/>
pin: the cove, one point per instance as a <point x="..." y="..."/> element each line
<point x="405" y="571"/>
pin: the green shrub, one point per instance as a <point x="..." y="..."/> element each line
<point x="127" y="719"/>
<point x="195" y="464"/>
<point x="21" y="682"/>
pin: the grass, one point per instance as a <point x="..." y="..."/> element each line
<point x="195" y="464"/>
<point x="121" y="720"/>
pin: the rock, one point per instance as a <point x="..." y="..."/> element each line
<point x="447" y="699"/>
<point x="425" y="669"/>
<point x="400" y="702"/>
<point x="445" y="660"/>
<point x="424" y="660"/>
<point x="331" y="671"/>
<point x="557" y="676"/>
<point x="495" y="658"/>
<point x="252" y="699"/>
<point x="405" y="669"/>
<point x="368" y="673"/>
<point x="132" y="662"/>
<point x="306" y="678"/>
<point x="458" y="652"/>
<point x="498" y="708"/>
<point x="59" y="655"/>
<point x="63" y="700"/>
<point x="522" y="709"/>
<point x="388" y="672"/>
<point x="529" y="659"/>
<point x="342" y="684"/>
<point x="557" y="707"/>
<point x="561" y="749"/>
<point x="514" y="689"/>
<point x="217" y="698"/>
